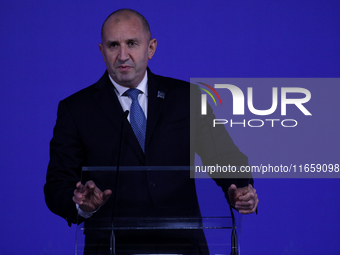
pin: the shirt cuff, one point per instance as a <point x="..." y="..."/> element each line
<point x="83" y="214"/>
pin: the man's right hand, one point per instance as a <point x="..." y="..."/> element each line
<point x="89" y="197"/>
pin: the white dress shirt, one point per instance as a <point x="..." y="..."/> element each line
<point x="126" y="102"/>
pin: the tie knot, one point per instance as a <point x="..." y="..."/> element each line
<point x="133" y="93"/>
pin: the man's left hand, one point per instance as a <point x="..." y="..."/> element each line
<point x="243" y="199"/>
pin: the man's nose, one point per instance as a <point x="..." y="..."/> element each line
<point x="123" y="53"/>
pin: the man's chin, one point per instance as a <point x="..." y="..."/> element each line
<point x="126" y="82"/>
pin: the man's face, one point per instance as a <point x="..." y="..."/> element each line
<point x="126" y="49"/>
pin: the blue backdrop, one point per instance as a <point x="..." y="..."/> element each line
<point x="49" y="50"/>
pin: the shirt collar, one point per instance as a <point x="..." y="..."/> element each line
<point x="142" y="86"/>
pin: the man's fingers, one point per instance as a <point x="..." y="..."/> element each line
<point x="249" y="193"/>
<point x="80" y="193"/>
<point x="77" y="194"/>
<point x="244" y="205"/>
<point x="232" y="188"/>
<point x="90" y="184"/>
<point x="77" y="200"/>
<point x="247" y="197"/>
<point x="80" y="187"/>
<point x="89" y="196"/>
<point x="249" y="200"/>
<point x="245" y="190"/>
<point x="251" y="209"/>
<point x="247" y="211"/>
<point x="247" y="207"/>
<point x="106" y="194"/>
<point x="235" y="193"/>
<point x="231" y="191"/>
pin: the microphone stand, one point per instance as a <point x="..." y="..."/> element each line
<point x="112" y="239"/>
<point x="234" y="247"/>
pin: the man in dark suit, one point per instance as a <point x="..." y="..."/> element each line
<point x="92" y="130"/>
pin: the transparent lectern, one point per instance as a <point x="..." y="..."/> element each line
<point x="159" y="217"/>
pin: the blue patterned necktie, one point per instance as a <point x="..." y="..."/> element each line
<point x="137" y="117"/>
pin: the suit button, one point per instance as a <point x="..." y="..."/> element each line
<point x="152" y="185"/>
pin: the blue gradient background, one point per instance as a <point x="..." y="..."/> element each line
<point x="49" y="50"/>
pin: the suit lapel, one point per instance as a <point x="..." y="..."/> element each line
<point x="155" y="105"/>
<point x="107" y="100"/>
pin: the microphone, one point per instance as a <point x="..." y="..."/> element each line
<point x="112" y="239"/>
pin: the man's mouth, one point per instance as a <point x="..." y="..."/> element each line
<point x="124" y="68"/>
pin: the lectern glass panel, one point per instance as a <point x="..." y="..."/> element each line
<point x="152" y="210"/>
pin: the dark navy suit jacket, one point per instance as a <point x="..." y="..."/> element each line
<point x="88" y="130"/>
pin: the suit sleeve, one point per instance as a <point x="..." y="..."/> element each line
<point x="67" y="155"/>
<point x="215" y="146"/>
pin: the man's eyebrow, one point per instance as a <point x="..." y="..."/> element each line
<point x="109" y="42"/>
<point x="134" y="39"/>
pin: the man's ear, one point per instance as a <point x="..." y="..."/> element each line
<point x="101" y="48"/>
<point x="152" y="47"/>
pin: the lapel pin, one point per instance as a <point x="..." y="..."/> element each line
<point x="161" y="94"/>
